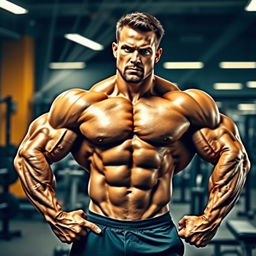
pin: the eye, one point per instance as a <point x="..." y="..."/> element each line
<point x="127" y="49"/>
<point x="145" y="52"/>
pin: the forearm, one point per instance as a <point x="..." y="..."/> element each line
<point x="225" y="185"/>
<point x="38" y="183"/>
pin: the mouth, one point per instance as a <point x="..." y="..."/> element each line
<point x="136" y="69"/>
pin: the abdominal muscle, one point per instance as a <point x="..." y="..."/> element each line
<point x="130" y="181"/>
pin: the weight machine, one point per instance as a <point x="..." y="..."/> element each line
<point x="9" y="204"/>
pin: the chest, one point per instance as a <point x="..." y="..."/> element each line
<point x="115" y="119"/>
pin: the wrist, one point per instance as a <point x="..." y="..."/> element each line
<point x="212" y="220"/>
<point x="52" y="215"/>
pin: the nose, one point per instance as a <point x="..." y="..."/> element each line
<point x="135" y="58"/>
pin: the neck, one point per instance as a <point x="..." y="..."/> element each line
<point x="134" y="91"/>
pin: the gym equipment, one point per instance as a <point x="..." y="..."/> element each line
<point x="72" y="176"/>
<point x="243" y="242"/>
<point x="225" y="242"/>
<point x="245" y="233"/>
<point x="9" y="205"/>
<point x="7" y="152"/>
<point x="248" y="139"/>
<point x="7" y="173"/>
<point x="199" y="188"/>
<point x="181" y="181"/>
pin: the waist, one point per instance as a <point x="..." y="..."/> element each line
<point x="149" y="223"/>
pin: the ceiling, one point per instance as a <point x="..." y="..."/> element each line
<point x="205" y="30"/>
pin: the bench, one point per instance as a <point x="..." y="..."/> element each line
<point x="245" y="234"/>
<point x="219" y="242"/>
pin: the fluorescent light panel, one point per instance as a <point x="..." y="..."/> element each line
<point x="237" y="64"/>
<point x="11" y="7"/>
<point x="183" y="65"/>
<point x="247" y="107"/>
<point x="251" y="84"/>
<point x="227" y="86"/>
<point x="84" y="41"/>
<point x="251" y="6"/>
<point x="67" y="65"/>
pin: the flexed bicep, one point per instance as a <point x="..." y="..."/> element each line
<point x="224" y="140"/>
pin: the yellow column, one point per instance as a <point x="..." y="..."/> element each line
<point x="17" y="80"/>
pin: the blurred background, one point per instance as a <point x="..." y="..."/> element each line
<point x="208" y="44"/>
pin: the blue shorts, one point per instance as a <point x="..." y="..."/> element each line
<point x="155" y="236"/>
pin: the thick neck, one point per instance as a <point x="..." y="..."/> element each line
<point x="134" y="91"/>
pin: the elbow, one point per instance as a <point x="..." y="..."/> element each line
<point x="246" y="163"/>
<point x="17" y="162"/>
<point x="242" y="159"/>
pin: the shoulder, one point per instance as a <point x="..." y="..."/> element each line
<point x="197" y="106"/>
<point x="69" y="105"/>
<point x="107" y="85"/>
<point x="72" y="96"/>
<point x="163" y="86"/>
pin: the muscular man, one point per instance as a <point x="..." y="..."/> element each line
<point x="133" y="132"/>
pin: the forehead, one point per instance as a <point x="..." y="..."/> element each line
<point x="134" y="37"/>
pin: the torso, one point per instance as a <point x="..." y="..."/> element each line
<point x="132" y="151"/>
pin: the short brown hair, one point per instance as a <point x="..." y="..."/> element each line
<point x="143" y="22"/>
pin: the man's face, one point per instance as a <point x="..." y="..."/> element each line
<point x="136" y="54"/>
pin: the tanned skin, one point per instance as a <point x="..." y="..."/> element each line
<point x="133" y="132"/>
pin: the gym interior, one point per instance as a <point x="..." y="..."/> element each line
<point x="208" y="45"/>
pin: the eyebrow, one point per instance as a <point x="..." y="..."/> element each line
<point x="140" y="48"/>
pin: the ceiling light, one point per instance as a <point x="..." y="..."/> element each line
<point x="84" y="41"/>
<point x="251" y="6"/>
<point x="67" y="65"/>
<point x="11" y="7"/>
<point x="237" y="64"/>
<point x="251" y="84"/>
<point x="247" y="107"/>
<point x="227" y="86"/>
<point x="183" y="65"/>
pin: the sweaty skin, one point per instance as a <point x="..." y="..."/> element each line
<point x="133" y="132"/>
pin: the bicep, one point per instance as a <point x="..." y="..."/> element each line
<point x="224" y="139"/>
<point x="44" y="142"/>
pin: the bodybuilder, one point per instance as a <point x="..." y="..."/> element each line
<point x="133" y="132"/>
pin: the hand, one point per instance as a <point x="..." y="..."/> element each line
<point x="196" y="230"/>
<point x="70" y="226"/>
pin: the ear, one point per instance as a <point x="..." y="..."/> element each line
<point x="158" y="54"/>
<point x="114" y="48"/>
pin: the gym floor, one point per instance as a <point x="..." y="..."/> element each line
<point x="37" y="239"/>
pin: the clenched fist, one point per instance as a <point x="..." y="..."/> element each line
<point x="197" y="230"/>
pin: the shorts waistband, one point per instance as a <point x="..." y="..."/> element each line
<point x="164" y="219"/>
